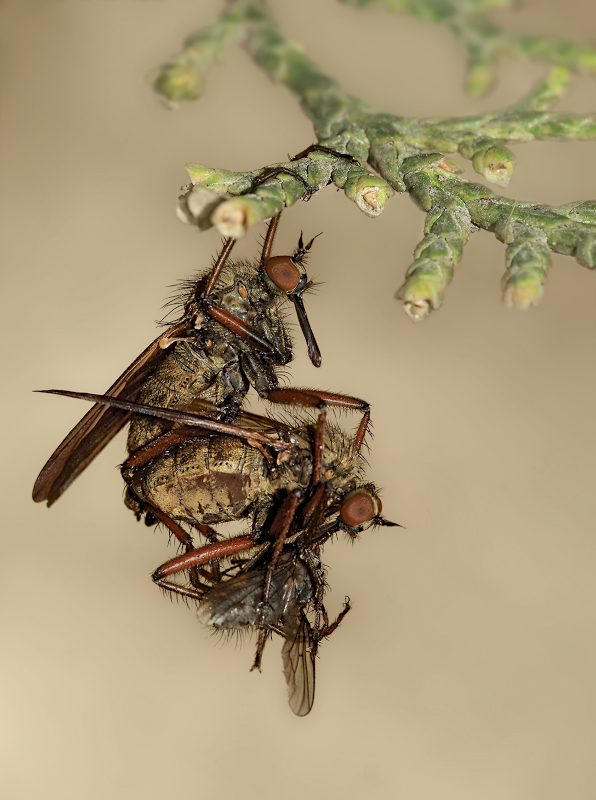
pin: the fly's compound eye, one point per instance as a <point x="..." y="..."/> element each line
<point x="283" y="272"/>
<point x="359" y="507"/>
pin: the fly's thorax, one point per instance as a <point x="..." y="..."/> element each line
<point x="342" y="466"/>
<point x="293" y="469"/>
<point x="211" y="480"/>
<point x="247" y="292"/>
<point x="286" y="476"/>
<point x="184" y="373"/>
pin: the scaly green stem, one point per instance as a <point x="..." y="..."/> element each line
<point x="407" y="155"/>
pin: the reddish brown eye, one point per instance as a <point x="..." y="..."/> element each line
<point x="359" y="507"/>
<point x="283" y="272"/>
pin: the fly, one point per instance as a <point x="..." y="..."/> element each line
<point x="234" y="604"/>
<point x="230" y="336"/>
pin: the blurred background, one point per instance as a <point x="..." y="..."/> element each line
<point x="466" y="668"/>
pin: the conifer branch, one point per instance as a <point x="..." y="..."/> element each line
<point x="406" y="154"/>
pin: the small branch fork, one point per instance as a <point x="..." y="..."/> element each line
<point x="408" y="155"/>
<point x="484" y="42"/>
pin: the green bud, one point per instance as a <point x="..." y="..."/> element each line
<point x="449" y="165"/>
<point x="197" y="204"/>
<point x="523" y="288"/>
<point x="369" y="192"/>
<point x="424" y="161"/>
<point x="220" y="180"/>
<point x="384" y="157"/>
<point x="495" y="162"/>
<point x="585" y="251"/>
<point x="431" y="138"/>
<point x="198" y="173"/>
<point x="424" y="288"/>
<point x="580" y="212"/>
<point x="528" y="258"/>
<point x="236" y="215"/>
<point x="179" y="80"/>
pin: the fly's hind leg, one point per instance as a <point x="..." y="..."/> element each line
<point x="153" y="513"/>
<point x="317" y="574"/>
<point x="175" y="588"/>
<point x="143" y="456"/>
<point x="193" y="561"/>
<point x="194" y="572"/>
<point x="202" y="555"/>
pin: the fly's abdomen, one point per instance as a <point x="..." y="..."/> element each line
<point x="206" y="481"/>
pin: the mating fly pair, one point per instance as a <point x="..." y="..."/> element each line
<point x="298" y="483"/>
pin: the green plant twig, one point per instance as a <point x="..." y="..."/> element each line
<point x="406" y="154"/>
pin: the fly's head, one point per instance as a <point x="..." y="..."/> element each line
<point x="360" y="509"/>
<point x="286" y="277"/>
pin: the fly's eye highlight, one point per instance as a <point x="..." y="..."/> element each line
<point x="283" y="272"/>
<point x="359" y="507"/>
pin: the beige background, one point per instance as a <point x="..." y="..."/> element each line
<point x="466" y="669"/>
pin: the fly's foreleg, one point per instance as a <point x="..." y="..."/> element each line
<point x="322" y="149"/>
<point x="319" y="399"/>
<point x="317" y="575"/>
<point x="328" y="629"/>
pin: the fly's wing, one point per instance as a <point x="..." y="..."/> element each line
<point x="98" y="426"/>
<point x="191" y="420"/>
<point x="244" y="419"/>
<point x="234" y="603"/>
<point x="298" y="660"/>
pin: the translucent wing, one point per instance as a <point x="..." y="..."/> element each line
<point x="98" y="426"/>
<point x="299" y="668"/>
<point x="235" y="603"/>
<point x="245" y="419"/>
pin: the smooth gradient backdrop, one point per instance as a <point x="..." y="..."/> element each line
<point x="466" y="669"/>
